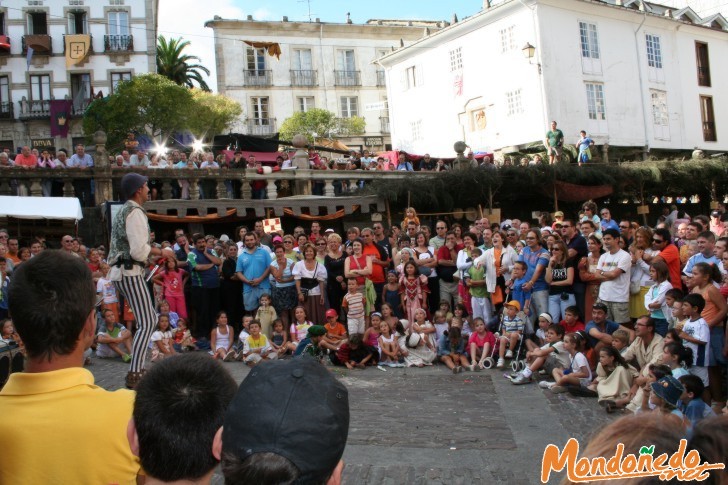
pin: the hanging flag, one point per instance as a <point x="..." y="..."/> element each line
<point x="28" y="57"/>
<point x="60" y="116"/>
<point x="458" y="84"/>
<point x="77" y="48"/>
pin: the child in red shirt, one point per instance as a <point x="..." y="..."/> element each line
<point x="335" y="331"/>
<point x="480" y="344"/>
<point x="571" y="321"/>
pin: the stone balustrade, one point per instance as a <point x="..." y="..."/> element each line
<point x="22" y="181"/>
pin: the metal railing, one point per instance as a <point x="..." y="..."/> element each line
<point x="347" y="78"/>
<point x="118" y="43"/>
<point x="34" y="109"/>
<point x="303" y="78"/>
<point x="703" y="76"/>
<point x="258" y="78"/>
<point x="42" y="43"/>
<point x="709" y="133"/>
<point x="80" y="105"/>
<point x="6" y="111"/>
<point x="384" y="122"/>
<point x="90" y="45"/>
<point x="260" y="126"/>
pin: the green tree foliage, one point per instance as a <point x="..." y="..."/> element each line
<point x="153" y="105"/>
<point x="179" y="67"/>
<point x="213" y="113"/>
<point x="322" y="122"/>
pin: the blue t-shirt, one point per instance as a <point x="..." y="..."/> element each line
<point x="610" y="224"/>
<point x="253" y="266"/>
<point x="533" y="260"/>
<point x="584" y="144"/>
<point x="696" y="410"/>
<point x="610" y="328"/>
<point x="207" y="278"/>
<point x="699" y="258"/>
<point x="519" y="294"/>
<point x="444" y="347"/>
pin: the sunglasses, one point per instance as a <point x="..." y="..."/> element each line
<point x="624" y="227"/>
<point x="658" y="241"/>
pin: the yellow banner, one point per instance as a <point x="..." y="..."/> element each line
<point x="78" y="47"/>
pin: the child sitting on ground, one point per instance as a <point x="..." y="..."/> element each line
<point x="620" y="340"/>
<point x="513" y="326"/>
<point x="256" y="347"/>
<point x="422" y="325"/>
<point x="678" y="358"/>
<point x="578" y="374"/>
<point x="440" y="323"/>
<point x="352" y="353"/>
<point x="221" y="339"/>
<point x="551" y="356"/>
<point x="114" y="340"/>
<point x="538" y="339"/>
<point x="614" y="379"/>
<point x="445" y="307"/>
<point x="691" y="403"/>
<point x="480" y="344"/>
<point x="279" y="338"/>
<point x="173" y="317"/>
<point x="244" y="334"/>
<point x="451" y="350"/>
<point x="335" y="332"/>
<point x="371" y="336"/>
<point x="664" y="395"/>
<point x="183" y="339"/>
<point x="571" y="322"/>
<point x="388" y="346"/>
<point x="162" y="340"/>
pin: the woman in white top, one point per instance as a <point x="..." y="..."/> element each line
<point x="310" y="277"/>
<point x="498" y="261"/>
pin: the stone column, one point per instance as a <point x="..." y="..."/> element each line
<point x="102" y="170"/>
<point x="303" y="168"/>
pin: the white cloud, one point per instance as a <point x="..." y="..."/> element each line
<point x="183" y="18"/>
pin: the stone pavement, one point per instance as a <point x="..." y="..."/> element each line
<point x="428" y="426"/>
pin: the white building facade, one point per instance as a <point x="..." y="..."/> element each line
<point x="321" y="65"/>
<point x="631" y="75"/>
<point x="123" y="44"/>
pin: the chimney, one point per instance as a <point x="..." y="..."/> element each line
<point x="348" y="18"/>
<point x="454" y="18"/>
<point x="318" y="20"/>
<point x="285" y="18"/>
<point x="250" y="18"/>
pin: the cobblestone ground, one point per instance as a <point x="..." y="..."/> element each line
<point x="428" y="426"/>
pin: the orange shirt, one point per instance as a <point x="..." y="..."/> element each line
<point x="23" y="161"/>
<point x="337" y="329"/>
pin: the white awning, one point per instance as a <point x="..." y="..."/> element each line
<point x="65" y="208"/>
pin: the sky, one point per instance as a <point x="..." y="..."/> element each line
<point x="185" y="18"/>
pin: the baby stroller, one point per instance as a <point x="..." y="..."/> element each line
<point x="518" y="359"/>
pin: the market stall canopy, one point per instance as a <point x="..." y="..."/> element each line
<point x="63" y="208"/>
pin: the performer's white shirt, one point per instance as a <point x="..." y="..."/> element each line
<point x="137" y="231"/>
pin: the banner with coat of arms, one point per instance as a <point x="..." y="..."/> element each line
<point x="60" y="117"/>
<point x="78" y="47"/>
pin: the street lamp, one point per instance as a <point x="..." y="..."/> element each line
<point x="529" y="52"/>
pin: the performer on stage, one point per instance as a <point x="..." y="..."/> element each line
<point x="128" y="253"/>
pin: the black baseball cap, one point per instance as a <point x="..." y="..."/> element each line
<point x="294" y="408"/>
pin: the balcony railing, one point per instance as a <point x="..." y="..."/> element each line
<point x="704" y="76"/>
<point x="385" y="125"/>
<point x="34" y="109"/>
<point x="90" y="45"/>
<point x="709" y="131"/>
<point x="261" y="126"/>
<point x="4" y="45"/>
<point x="41" y="44"/>
<point x="347" y="78"/>
<point x="6" y="111"/>
<point x="303" y="78"/>
<point x="118" y="43"/>
<point x="80" y="105"/>
<point x="258" y="78"/>
<point x="381" y="78"/>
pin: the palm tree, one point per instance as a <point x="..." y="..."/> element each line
<point x="174" y="65"/>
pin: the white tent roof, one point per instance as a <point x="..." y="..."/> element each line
<point x="66" y="208"/>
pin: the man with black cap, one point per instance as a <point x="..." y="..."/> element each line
<point x="130" y="247"/>
<point x="288" y="423"/>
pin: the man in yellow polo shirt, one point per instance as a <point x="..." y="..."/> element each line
<point x="60" y="427"/>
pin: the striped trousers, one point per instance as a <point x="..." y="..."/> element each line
<point x="135" y="291"/>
